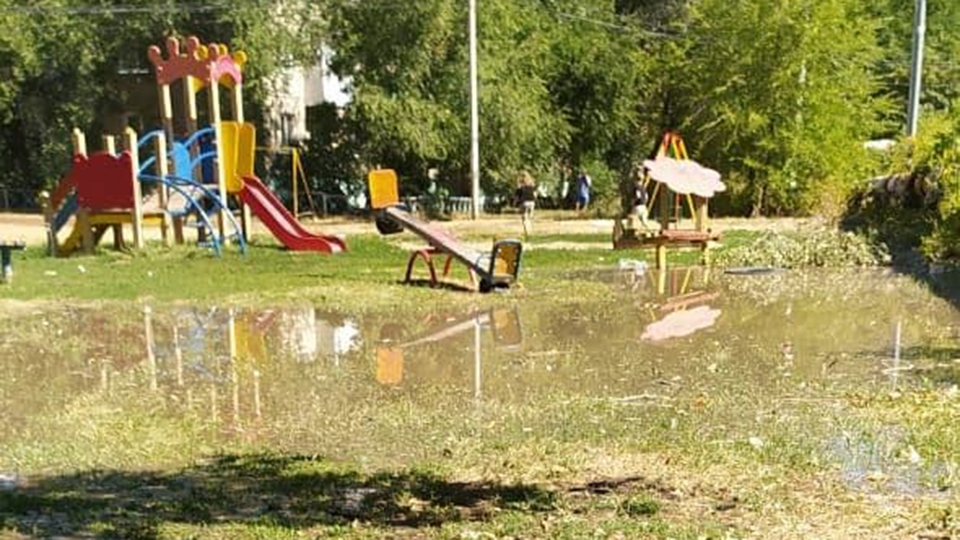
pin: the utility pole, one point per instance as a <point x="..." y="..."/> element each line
<point x="916" y="67"/>
<point x="474" y="116"/>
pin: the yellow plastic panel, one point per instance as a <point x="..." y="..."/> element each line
<point x="197" y="85"/>
<point x="383" y="188"/>
<point x="229" y="138"/>
<point x="508" y="257"/>
<point x="246" y="149"/>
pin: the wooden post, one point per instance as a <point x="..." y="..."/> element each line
<point x="235" y="387"/>
<point x="236" y="101"/>
<point x="190" y="104"/>
<point x="130" y="142"/>
<point x="166" y="111"/>
<point x="703" y="214"/>
<point x="661" y="254"/>
<point x="79" y="149"/>
<point x="163" y="169"/>
<point x="665" y="208"/>
<point x="86" y="230"/>
<point x="79" y="143"/>
<point x="47" y="206"/>
<point x="190" y="108"/>
<point x="220" y="169"/>
<point x="110" y="144"/>
<point x="295" y="159"/>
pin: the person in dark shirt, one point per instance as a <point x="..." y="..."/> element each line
<point x="527" y="195"/>
<point x="640" y="200"/>
<point x="584" y="185"/>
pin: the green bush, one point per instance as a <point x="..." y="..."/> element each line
<point x="823" y="248"/>
<point x="918" y="203"/>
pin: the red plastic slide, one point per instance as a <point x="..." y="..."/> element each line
<point x="282" y="223"/>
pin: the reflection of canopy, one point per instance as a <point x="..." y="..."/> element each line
<point x="681" y="323"/>
<point x="685" y="176"/>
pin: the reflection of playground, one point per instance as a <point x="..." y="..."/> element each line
<point x="504" y="324"/>
<point x="677" y="300"/>
<point x="217" y="358"/>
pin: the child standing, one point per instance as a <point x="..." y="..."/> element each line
<point x="527" y="194"/>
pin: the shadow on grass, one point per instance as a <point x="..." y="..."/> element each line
<point x="451" y="286"/>
<point x="294" y="492"/>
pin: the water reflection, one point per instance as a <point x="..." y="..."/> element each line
<point x="503" y="324"/>
<point x="673" y="323"/>
<point x="676" y="302"/>
<point x="678" y="335"/>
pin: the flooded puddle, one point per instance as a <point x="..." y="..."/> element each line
<point x="273" y="374"/>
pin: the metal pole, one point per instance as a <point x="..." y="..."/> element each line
<point x="474" y="115"/>
<point x="916" y="67"/>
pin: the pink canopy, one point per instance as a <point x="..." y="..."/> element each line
<point x="685" y="176"/>
<point x="681" y="323"/>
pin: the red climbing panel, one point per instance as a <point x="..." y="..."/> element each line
<point x="104" y="182"/>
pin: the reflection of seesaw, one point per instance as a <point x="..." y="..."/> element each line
<point x="497" y="269"/>
<point x="504" y="323"/>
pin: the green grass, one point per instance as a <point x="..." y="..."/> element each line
<point x="343" y="457"/>
<point x="275" y="497"/>
<point x="121" y="465"/>
<point x="358" y="463"/>
<point x="367" y="277"/>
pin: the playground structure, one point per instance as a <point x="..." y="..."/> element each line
<point x="211" y="167"/>
<point x="298" y="178"/>
<point x="677" y="180"/>
<point x="105" y="191"/>
<point x="497" y="269"/>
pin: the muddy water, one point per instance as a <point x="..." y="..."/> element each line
<point x="277" y="373"/>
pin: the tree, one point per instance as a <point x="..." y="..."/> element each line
<point x="67" y="64"/>
<point x="556" y="92"/>
<point x="781" y="96"/>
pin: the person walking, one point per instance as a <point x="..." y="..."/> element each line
<point x="584" y="186"/>
<point x="527" y="198"/>
<point x="640" y="200"/>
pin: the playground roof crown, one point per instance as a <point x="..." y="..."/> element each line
<point x="203" y="63"/>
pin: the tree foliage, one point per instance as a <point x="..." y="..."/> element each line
<point x="785" y="114"/>
<point x="778" y="95"/>
<point x="70" y="63"/>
